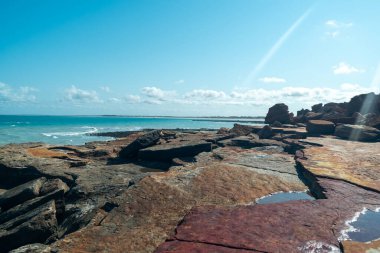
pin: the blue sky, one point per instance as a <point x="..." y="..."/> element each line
<point x="198" y="57"/>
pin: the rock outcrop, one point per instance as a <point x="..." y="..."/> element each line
<point x="38" y="225"/>
<point x="168" y="152"/>
<point x="357" y="132"/>
<point x="278" y="112"/>
<point x="363" y="109"/>
<point x="188" y="191"/>
<point x="21" y="193"/>
<point x="147" y="140"/>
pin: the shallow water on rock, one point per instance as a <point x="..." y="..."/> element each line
<point x="284" y="197"/>
<point x="367" y="227"/>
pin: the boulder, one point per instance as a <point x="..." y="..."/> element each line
<point x="276" y="124"/>
<point x="239" y="129"/>
<point x="36" y="226"/>
<point x="302" y="112"/>
<point x="266" y="132"/>
<point x="313" y="115"/>
<point x="372" y="120"/>
<point x="33" y="248"/>
<point x="364" y="103"/>
<point x="147" y="140"/>
<point x="317" y="107"/>
<point x="21" y="193"/>
<point x="223" y="130"/>
<point x="342" y="120"/>
<point x="168" y="152"/>
<point x="320" y="127"/>
<point x="357" y="132"/>
<point x="278" y="112"/>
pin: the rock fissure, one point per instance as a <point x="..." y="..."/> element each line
<point x="222" y="245"/>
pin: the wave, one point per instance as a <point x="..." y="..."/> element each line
<point x="89" y="131"/>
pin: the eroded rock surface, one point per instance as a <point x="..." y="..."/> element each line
<point x="354" y="162"/>
<point x="203" y="201"/>
<point x="294" y="226"/>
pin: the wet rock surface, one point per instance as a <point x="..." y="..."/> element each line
<point x="353" y="247"/>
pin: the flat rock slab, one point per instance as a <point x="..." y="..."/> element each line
<point x="270" y="162"/>
<point x="199" y="247"/>
<point x="168" y="152"/>
<point x="286" y="227"/>
<point x="160" y="201"/>
<point x="351" y="161"/>
<point x="295" y="226"/>
<point x="249" y="142"/>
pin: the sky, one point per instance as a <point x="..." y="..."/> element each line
<point x="184" y="58"/>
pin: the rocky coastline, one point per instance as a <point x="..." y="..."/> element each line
<point x="199" y="190"/>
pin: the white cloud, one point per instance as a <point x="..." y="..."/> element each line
<point x="114" y="100"/>
<point x="267" y="97"/>
<point x="81" y="96"/>
<point x="153" y="92"/>
<point x="205" y="94"/>
<point x="260" y="97"/>
<point x="336" y="24"/>
<point x="105" y="88"/>
<point x="22" y="94"/>
<point x="331" y="23"/>
<point x="344" y="68"/>
<point x="181" y="81"/>
<point x="132" y="99"/>
<point x="156" y="95"/>
<point x="272" y="79"/>
<point x="335" y="28"/>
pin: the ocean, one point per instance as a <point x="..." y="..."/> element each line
<point x="75" y="130"/>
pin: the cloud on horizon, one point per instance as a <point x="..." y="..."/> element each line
<point x="22" y="94"/>
<point x="253" y="97"/>
<point x="272" y="79"/>
<point x="156" y="95"/>
<point x="77" y="95"/>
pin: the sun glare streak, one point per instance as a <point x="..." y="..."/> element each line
<point x="368" y="102"/>
<point x="375" y="84"/>
<point x="252" y="76"/>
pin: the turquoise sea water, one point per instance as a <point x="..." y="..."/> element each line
<point x="75" y="129"/>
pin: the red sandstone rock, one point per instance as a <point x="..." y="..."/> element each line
<point x="320" y="127"/>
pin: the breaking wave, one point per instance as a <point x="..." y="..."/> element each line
<point x="88" y="130"/>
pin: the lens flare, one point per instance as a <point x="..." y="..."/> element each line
<point x="368" y="103"/>
<point x="253" y="74"/>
